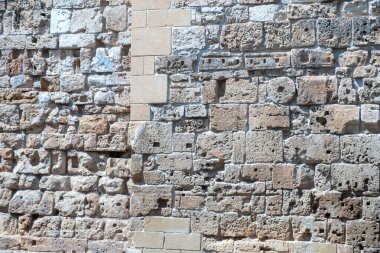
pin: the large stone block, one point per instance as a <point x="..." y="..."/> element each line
<point x="312" y="149"/>
<point x="264" y="146"/>
<point x="150" y="200"/>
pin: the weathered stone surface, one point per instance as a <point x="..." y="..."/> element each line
<point x="312" y="149"/>
<point x="316" y="90"/>
<point x="268" y="117"/>
<point x="242" y="37"/>
<point x="264" y="146"/>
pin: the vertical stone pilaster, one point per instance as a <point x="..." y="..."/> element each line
<point x="152" y="22"/>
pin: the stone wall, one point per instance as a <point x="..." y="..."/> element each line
<point x="179" y="126"/>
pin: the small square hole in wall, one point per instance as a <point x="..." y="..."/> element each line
<point x="221" y="88"/>
<point x="156" y="144"/>
<point x="189" y="145"/>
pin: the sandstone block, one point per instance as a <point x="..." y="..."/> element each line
<point x="149" y="240"/>
<point x="25" y="202"/>
<point x="183" y="241"/>
<point x="281" y="90"/>
<point x="157" y="84"/>
<point x="356" y="178"/>
<point x="156" y="41"/>
<point x="242" y="37"/>
<point x="168" y="225"/>
<point x="114" y="206"/>
<point x="278" y="228"/>
<point x="363" y="233"/>
<point x="338" y="119"/>
<point x="153" y="137"/>
<point x="264" y="146"/>
<point x="360" y="148"/>
<point x="312" y="58"/>
<point x="334" y="32"/>
<point x="316" y="90"/>
<point x="190" y="39"/>
<point x="116" y="17"/>
<point x="214" y="145"/>
<point x="236" y="115"/>
<point x="312" y="149"/>
<point x="268" y="117"/>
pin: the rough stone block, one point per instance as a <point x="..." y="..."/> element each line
<point x="268" y="117"/>
<point x="316" y="90"/>
<point x="360" y="148"/>
<point x="242" y="37"/>
<point x="264" y="146"/>
<point x="236" y="115"/>
<point x="312" y="149"/>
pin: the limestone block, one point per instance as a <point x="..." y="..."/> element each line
<point x="242" y="37"/>
<point x="353" y="58"/>
<point x="316" y="90"/>
<point x="55" y="183"/>
<point x="268" y="117"/>
<point x="114" y="206"/>
<point x="175" y="161"/>
<point x="277" y="35"/>
<point x="72" y="83"/>
<point x="151" y="41"/>
<point x="46" y="227"/>
<point x="84" y="183"/>
<point x="221" y="245"/>
<point x="260" y="61"/>
<point x="236" y="115"/>
<point x="270" y="12"/>
<point x="112" y="185"/>
<point x="214" y="145"/>
<point x="72" y="41"/>
<point x="335" y="33"/>
<point x="365" y="30"/>
<point x="371" y="211"/>
<point x="157" y="86"/>
<point x="264" y="146"/>
<point x="299" y="10"/>
<point x="327" y="204"/>
<point x="33" y="161"/>
<point x="8" y="224"/>
<point x="231" y="225"/>
<point x="340" y="119"/>
<point x="312" y="149"/>
<point x="150" y="4"/>
<point x="183" y="241"/>
<point x="5" y="197"/>
<point x="87" y="228"/>
<point x="86" y="20"/>
<point x="312" y="58"/>
<point x="25" y="202"/>
<point x="153" y="137"/>
<point x="149" y="240"/>
<point x="116" y="17"/>
<point x="289" y="176"/>
<point x="367" y="93"/>
<point x="303" y="33"/>
<point x="281" y="90"/>
<point x="356" y="178"/>
<point x="205" y="223"/>
<point x="69" y="203"/>
<point x="9" y="117"/>
<point x="60" y="21"/>
<point x="188" y="39"/>
<point x="240" y="91"/>
<point x="168" y="225"/>
<point x="117" y="229"/>
<point x="360" y="148"/>
<point x="278" y="228"/>
<point x="162" y="18"/>
<point x="150" y="199"/>
<point x="365" y="233"/>
<point x="297" y="202"/>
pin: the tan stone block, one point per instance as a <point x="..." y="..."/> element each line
<point x="323" y="248"/>
<point x="149" y="65"/>
<point x="149" y="240"/>
<point x="163" y="224"/>
<point x="138" y="19"/>
<point x="183" y="241"/>
<point x="151" y="41"/>
<point x="160" y="251"/>
<point x="150" y="4"/>
<point x="149" y="89"/>
<point x="162" y="18"/>
<point x="140" y="112"/>
<point x="137" y="66"/>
